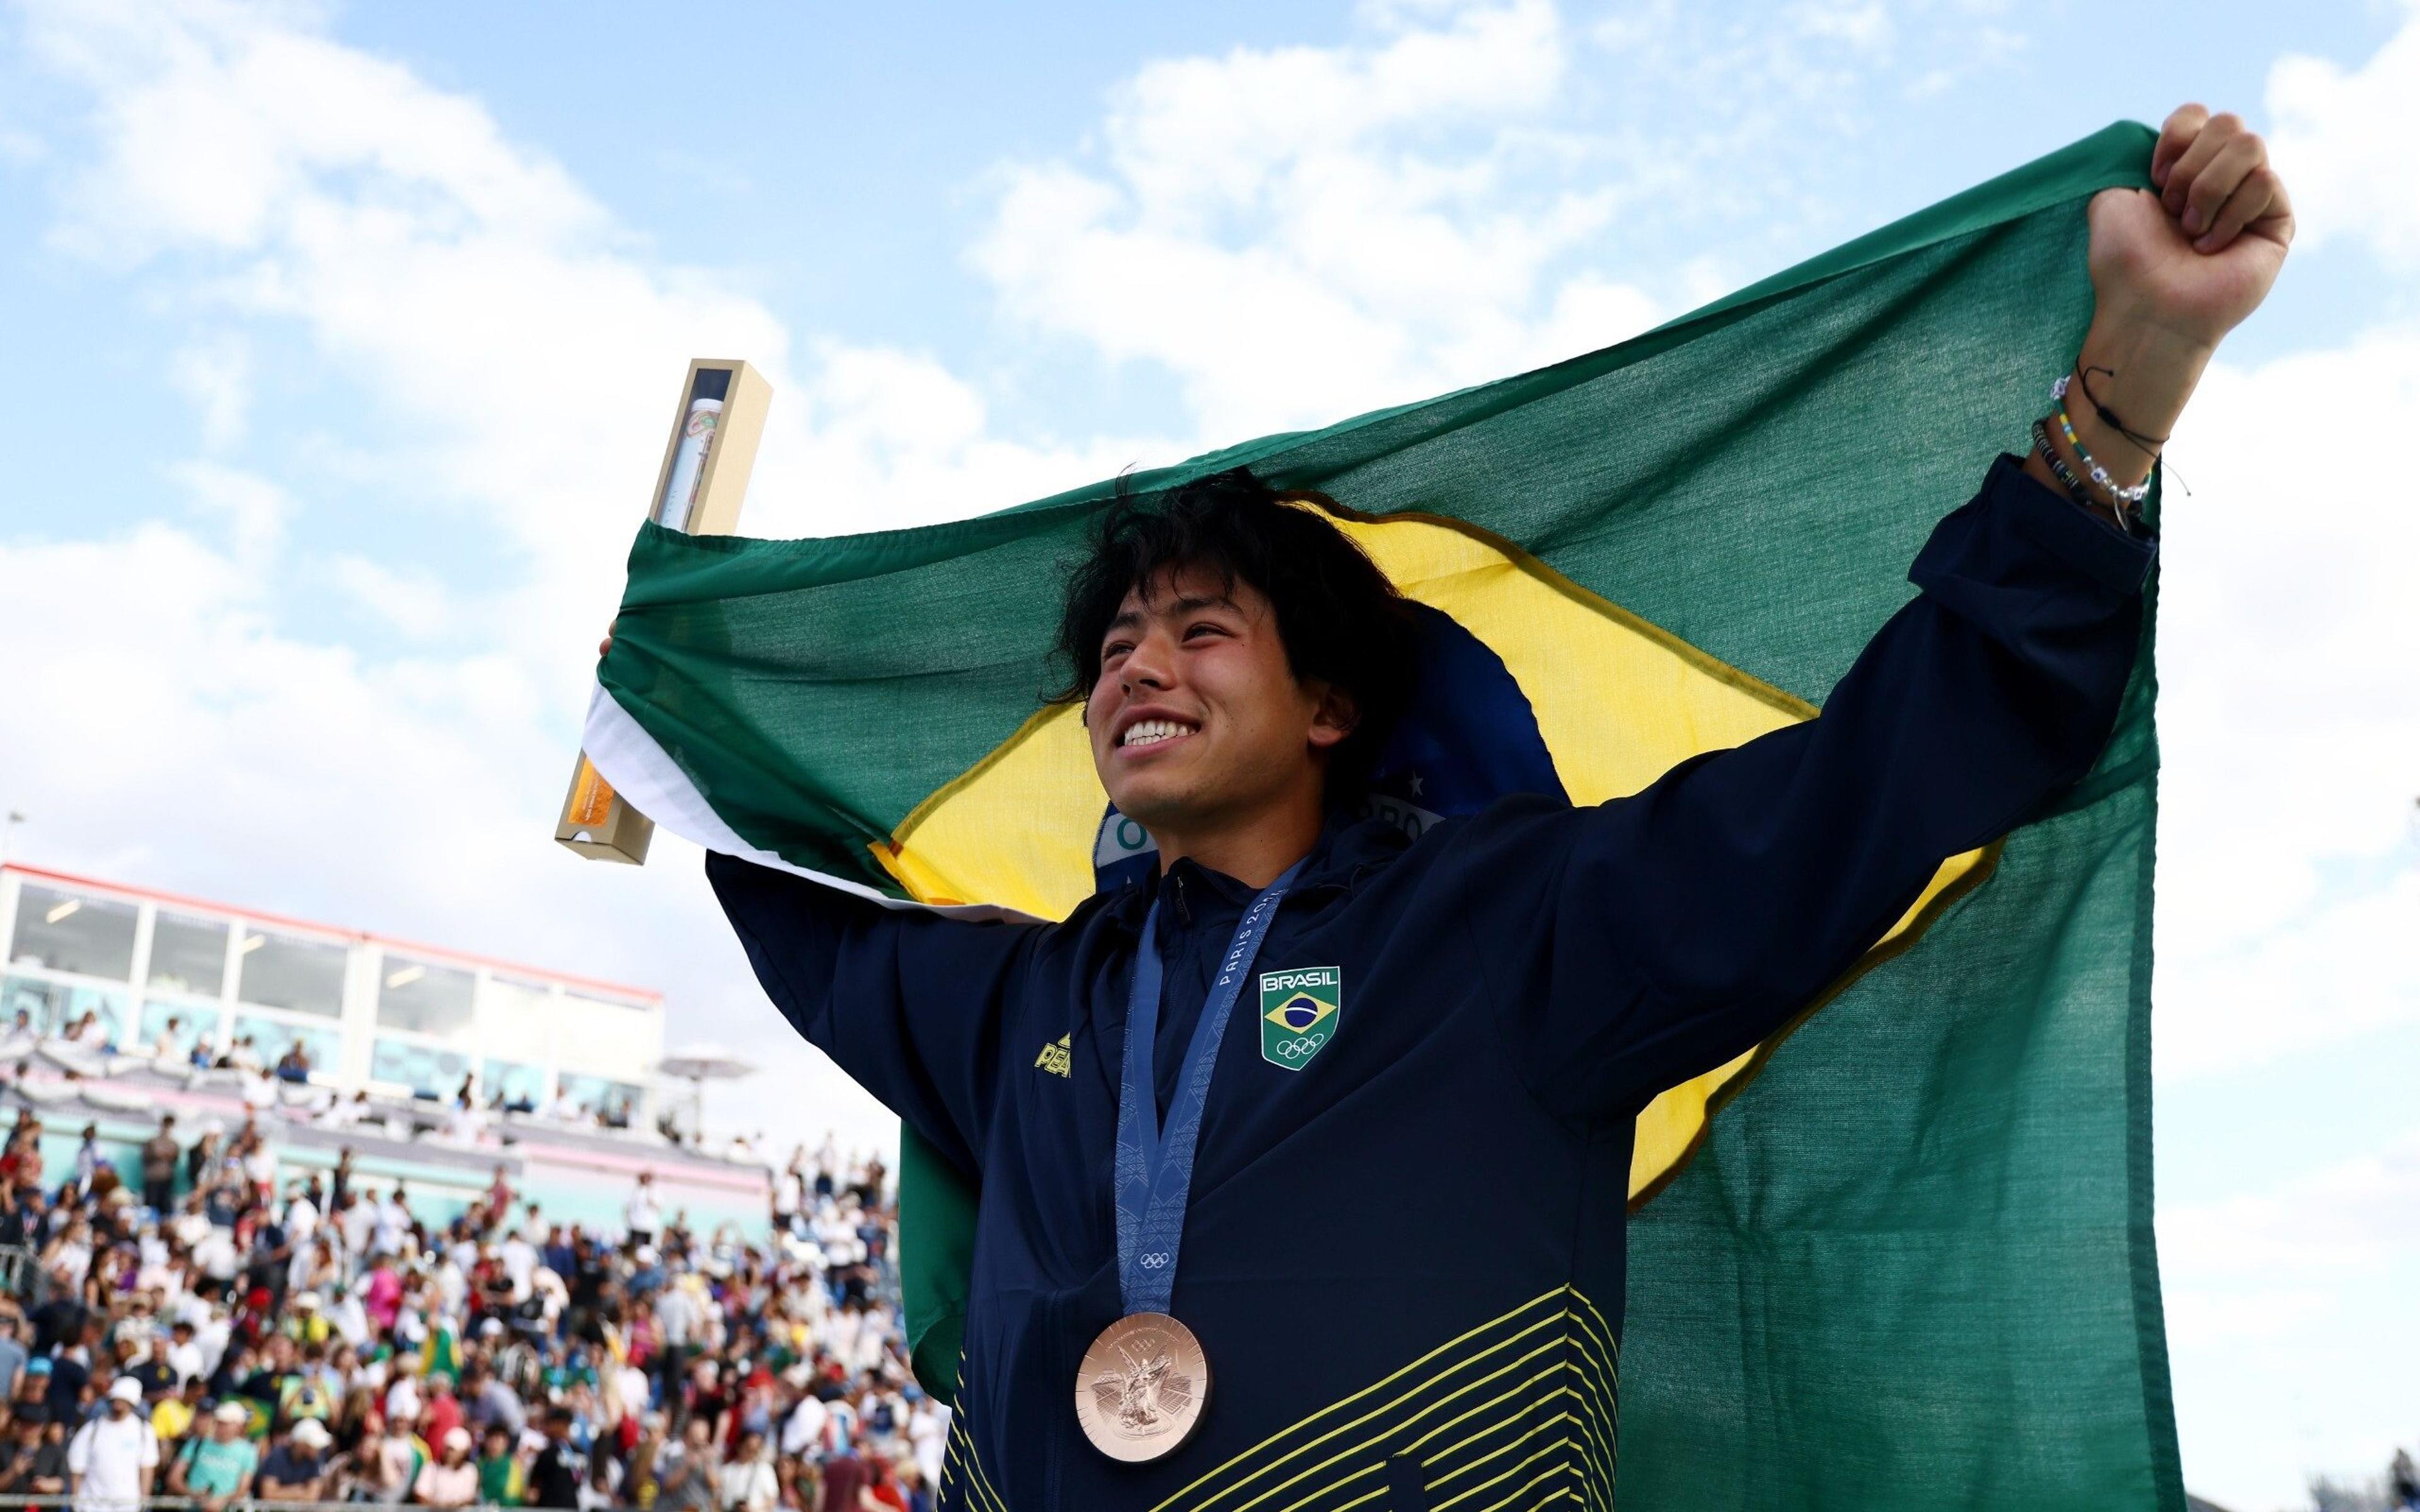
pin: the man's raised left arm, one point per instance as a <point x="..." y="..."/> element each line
<point x="1690" y="921"/>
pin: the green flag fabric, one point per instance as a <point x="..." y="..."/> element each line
<point x="1903" y="1259"/>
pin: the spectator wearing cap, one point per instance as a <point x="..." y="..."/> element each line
<point x="451" y="1479"/>
<point x="296" y="1467"/>
<point x="30" y="1465"/>
<point x="393" y="1461"/>
<point x="23" y="1450"/>
<point x="216" y="1468"/>
<point x="112" y="1458"/>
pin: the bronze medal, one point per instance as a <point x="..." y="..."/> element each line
<point x="1141" y="1388"/>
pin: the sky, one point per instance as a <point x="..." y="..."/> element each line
<point x="336" y="345"/>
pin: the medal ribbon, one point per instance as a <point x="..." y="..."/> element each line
<point x="1154" y="1166"/>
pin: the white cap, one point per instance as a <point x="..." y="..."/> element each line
<point x="126" y="1389"/>
<point x="309" y="1434"/>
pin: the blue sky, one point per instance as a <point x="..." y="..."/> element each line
<point x="338" y="338"/>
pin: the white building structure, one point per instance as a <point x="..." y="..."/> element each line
<point x="369" y="1012"/>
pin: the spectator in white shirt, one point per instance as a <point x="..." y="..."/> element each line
<point x="113" y="1457"/>
<point x="184" y="1353"/>
<point x="640" y="1215"/>
<point x="749" y="1484"/>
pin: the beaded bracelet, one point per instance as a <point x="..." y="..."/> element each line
<point x="2068" y="480"/>
<point x="2135" y="495"/>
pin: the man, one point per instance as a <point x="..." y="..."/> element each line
<point x="150" y="1367"/>
<point x="500" y="1470"/>
<point x="640" y="1214"/>
<point x="302" y="1215"/>
<point x="685" y="1471"/>
<point x="272" y="1376"/>
<point x="1537" y="971"/>
<point x="175" y="1414"/>
<point x="296" y="1468"/>
<point x="184" y="1352"/>
<point x="38" y="1465"/>
<point x="12" y="1356"/>
<point x="749" y="1482"/>
<point x="390" y="1464"/>
<point x="160" y="1156"/>
<point x="71" y="1369"/>
<point x="444" y="1413"/>
<point x="488" y="1402"/>
<point x="215" y="1469"/>
<point x="555" y="1474"/>
<point x="112" y="1458"/>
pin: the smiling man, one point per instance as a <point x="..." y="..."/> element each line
<point x="1205" y="1267"/>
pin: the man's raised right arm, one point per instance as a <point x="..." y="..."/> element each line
<point x="909" y="1003"/>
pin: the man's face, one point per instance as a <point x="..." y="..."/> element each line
<point x="1196" y="716"/>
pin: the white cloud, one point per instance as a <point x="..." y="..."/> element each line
<point x="1300" y="233"/>
<point x="509" y="347"/>
<point x="254" y="510"/>
<point x="2290" y="709"/>
<point x="216" y="375"/>
<point x="413" y="603"/>
<point x="2291" y="1325"/>
<point x="2341" y="141"/>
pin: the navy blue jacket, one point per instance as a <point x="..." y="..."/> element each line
<point x="1515" y="986"/>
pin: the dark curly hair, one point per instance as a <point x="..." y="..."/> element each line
<point x="1341" y="621"/>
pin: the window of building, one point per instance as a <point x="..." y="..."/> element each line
<point x="522" y="1087"/>
<point x="292" y="972"/>
<point x="271" y="1037"/>
<point x="618" y="1101"/>
<point x="423" y="997"/>
<point x="611" y="1037"/>
<point x="516" y="1020"/>
<point x="58" y="1006"/>
<point x="427" y="1071"/>
<point x="72" y="932"/>
<point x="184" y="1025"/>
<point x="188" y="955"/>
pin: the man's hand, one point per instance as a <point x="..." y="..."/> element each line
<point x="2199" y="255"/>
<point x="2173" y="271"/>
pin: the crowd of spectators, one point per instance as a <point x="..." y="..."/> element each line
<point x="215" y="1327"/>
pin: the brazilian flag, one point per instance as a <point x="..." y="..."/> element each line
<point x="1901" y="1260"/>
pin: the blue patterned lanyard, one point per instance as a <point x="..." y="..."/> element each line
<point x="1154" y="1166"/>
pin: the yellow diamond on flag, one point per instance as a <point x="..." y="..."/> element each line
<point x="1299" y="1012"/>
